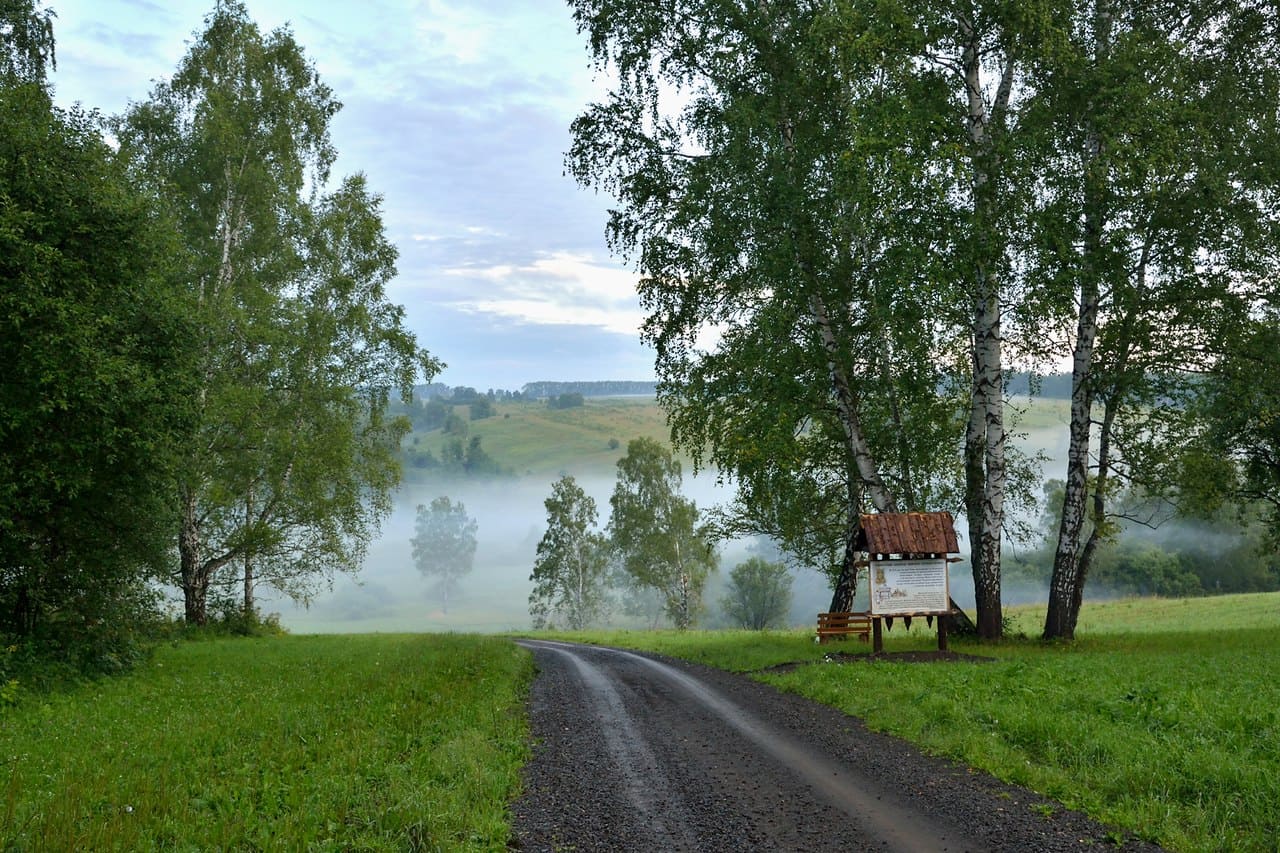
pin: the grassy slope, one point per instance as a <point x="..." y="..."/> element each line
<point x="531" y="438"/>
<point x="325" y="743"/>
<point x="1161" y="720"/>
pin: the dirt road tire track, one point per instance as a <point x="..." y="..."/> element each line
<point x="639" y="752"/>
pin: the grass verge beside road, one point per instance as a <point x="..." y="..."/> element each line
<point x="376" y="742"/>
<point x="1163" y="719"/>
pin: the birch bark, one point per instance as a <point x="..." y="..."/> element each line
<point x="985" y="468"/>
<point x="1065" y="585"/>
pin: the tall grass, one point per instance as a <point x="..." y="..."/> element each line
<point x="326" y="743"/>
<point x="1163" y="719"/>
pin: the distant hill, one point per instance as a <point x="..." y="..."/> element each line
<point x="611" y="388"/>
<point x="526" y="436"/>
<point x="530" y="437"/>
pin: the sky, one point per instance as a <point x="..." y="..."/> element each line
<point x="458" y="113"/>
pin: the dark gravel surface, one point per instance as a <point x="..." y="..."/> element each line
<point x="641" y="752"/>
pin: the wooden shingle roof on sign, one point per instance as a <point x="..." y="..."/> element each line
<point x="908" y="533"/>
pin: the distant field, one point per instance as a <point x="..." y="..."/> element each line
<point x="1161" y="719"/>
<point x="532" y="438"/>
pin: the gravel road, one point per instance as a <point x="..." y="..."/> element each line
<point x="639" y="752"/>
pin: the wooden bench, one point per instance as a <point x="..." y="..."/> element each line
<point x="841" y="625"/>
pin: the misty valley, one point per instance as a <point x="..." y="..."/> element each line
<point x="542" y="442"/>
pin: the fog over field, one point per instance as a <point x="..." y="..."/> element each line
<point x="390" y="594"/>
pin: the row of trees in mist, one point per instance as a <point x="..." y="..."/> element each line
<point x="200" y="350"/>
<point x="652" y="560"/>
<point x="654" y="555"/>
<point x="850" y="218"/>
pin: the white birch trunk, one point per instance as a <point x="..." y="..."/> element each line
<point x="1066" y="583"/>
<point x="985" y="436"/>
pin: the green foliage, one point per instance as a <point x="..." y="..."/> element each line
<point x="655" y="530"/>
<point x="444" y="545"/>
<point x="97" y="376"/>
<point x="455" y="424"/>
<point x="801" y="206"/>
<point x="759" y="595"/>
<point x="227" y="618"/>
<point x="294" y="459"/>
<point x="434" y="414"/>
<point x="460" y="460"/>
<point x="26" y="42"/>
<point x="1239" y="450"/>
<point x="570" y="572"/>
<point x="568" y="400"/>
<point x="378" y="743"/>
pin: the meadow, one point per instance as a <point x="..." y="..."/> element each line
<point x="533" y="439"/>
<point x="1162" y="719"/>
<point x="379" y="742"/>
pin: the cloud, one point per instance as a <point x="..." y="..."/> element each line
<point x="453" y="32"/>
<point x="558" y="288"/>
<point x="458" y="113"/>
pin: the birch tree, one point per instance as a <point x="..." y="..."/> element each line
<point x="1155" y="213"/>
<point x="291" y="468"/>
<point x="766" y="220"/>
<point x="570" y="572"/>
<point x="655" y="531"/>
<point x="26" y="42"/>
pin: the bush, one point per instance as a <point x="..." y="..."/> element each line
<point x="108" y="635"/>
<point x="759" y="595"/>
<point x="567" y="401"/>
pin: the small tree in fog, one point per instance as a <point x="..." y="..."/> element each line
<point x="444" y="545"/>
<point x="569" y="574"/>
<point x="759" y="595"/>
<point x="656" y="533"/>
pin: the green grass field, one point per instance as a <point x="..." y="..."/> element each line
<point x="1162" y="720"/>
<point x="299" y="743"/>
<point x="532" y="438"/>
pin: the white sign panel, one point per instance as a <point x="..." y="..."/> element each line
<point x="909" y="587"/>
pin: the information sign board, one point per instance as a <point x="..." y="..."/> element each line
<point x="909" y="587"/>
